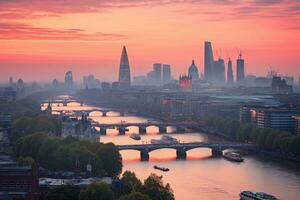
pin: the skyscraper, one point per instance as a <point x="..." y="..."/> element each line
<point x="157" y="73"/>
<point x="240" y="70"/>
<point x="218" y="72"/>
<point x="208" y="61"/>
<point x="229" y="73"/>
<point x="166" y="73"/>
<point x="69" y="80"/>
<point x="193" y="71"/>
<point x="124" y="70"/>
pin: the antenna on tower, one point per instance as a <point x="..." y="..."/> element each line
<point x="239" y="53"/>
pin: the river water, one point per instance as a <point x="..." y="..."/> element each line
<point x="200" y="176"/>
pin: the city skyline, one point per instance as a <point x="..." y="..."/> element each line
<point x="43" y="42"/>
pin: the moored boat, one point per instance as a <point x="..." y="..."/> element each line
<point x="248" y="195"/>
<point x="161" y="168"/>
<point x="232" y="156"/>
<point x="165" y="140"/>
<point x="135" y="136"/>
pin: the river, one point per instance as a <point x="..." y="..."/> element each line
<point x="201" y="176"/>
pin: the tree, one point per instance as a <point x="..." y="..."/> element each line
<point x="135" y="196"/>
<point x="111" y="159"/>
<point x="130" y="183"/>
<point x="155" y="189"/>
<point x="31" y="144"/>
<point x="64" y="192"/>
<point x="25" y="161"/>
<point x="46" y="156"/>
<point x="97" y="191"/>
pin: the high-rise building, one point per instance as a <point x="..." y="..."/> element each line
<point x="69" y="80"/>
<point x="166" y="73"/>
<point x="193" y="71"/>
<point x="208" y="61"/>
<point x="229" y="73"/>
<point x="218" y="72"/>
<point x="240" y="70"/>
<point x="157" y="73"/>
<point x="124" y="71"/>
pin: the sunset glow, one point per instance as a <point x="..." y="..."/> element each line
<point x="40" y="40"/>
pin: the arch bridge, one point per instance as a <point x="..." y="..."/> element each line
<point x="162" y="126"/>
<point x="181" y="148"/>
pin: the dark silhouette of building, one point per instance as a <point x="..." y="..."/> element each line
<point x="240" y="70"/>
<point x="208" y="61"/>
<point x="20" y="182"/>
<point x="219" y="72"/>
<point x="280" y="86"/>
<point x="166" y="73"/>
<point x="124" y="71"/>
<point x="193" y="71"/>
<point x="157" y="73"/>
<point x="229" y="73"/>
<point x="185" y="83"/>
<point x="69" y="83"/>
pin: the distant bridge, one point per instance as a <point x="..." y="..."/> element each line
<point x="162" y="126"/>
<point x="103" y="112"/>
<point x="65" y="102"/>
<point x="182" y="148"/>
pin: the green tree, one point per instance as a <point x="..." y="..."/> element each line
<point x="135" y="196"/>
<point x="97" y="191"/>
<point x="155" y="189"/>
<point x="25" y="161"/>
<point x="31" y="144"/>
<point x="64" y="192"/>
<point x="111" y="159"/>
<point x="46" y="155"/>
<point x="130" y="183"/>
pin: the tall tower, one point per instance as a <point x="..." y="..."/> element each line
<point x="240" y="70"/>
<point x="157" y="73"/>
<point x="218" y="72"/>
<point x="229" y="73"/>
<point x="69" y="80"/>
<point x="166" y="73"/>
<point x="208" y="61"/>
<point x="124" y="70"/>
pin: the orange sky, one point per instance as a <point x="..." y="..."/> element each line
<point x="40" y="40"/>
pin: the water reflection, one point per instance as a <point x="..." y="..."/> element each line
<point x="201" y="176"/>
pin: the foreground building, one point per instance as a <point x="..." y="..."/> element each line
<point x="280" y="118"/>
<point x="20" y="182"/>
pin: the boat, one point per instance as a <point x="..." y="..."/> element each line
<point x="165" y="139"/>
<point x="232" y="156"/>
<point x="248" y="195"/>
<point x="135" y="136"/>
<point x="161" y="168"/>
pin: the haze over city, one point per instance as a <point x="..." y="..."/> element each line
<point x="41" y="40"/>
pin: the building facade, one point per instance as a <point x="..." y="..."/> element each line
<point x="124" y="71"/>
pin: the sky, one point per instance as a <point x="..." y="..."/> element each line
<point x="41" y="40"/>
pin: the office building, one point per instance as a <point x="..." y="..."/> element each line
<point x="240" y="70"/>
<point x="124" y="71"/>
<point x="166" y="73"/>
<point x="229" y="73"/>
<point x="208" y="61"/>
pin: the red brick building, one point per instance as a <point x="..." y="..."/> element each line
<point x="20" y="182"/>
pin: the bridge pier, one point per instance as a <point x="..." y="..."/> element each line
<point x="104" y="113"/>
<point x="181" y="154"/>
<point x="103" y="131"/>
<point x="162" y="129"/>
<point x="180" y="129"/>
<point x="81" y="104"/>
<point x="142" y="130"/>
<point x="122" y="114"/>
<point x="144" y="155"/>
<point x="122" y="130"/>
<point x="216" y="152"/>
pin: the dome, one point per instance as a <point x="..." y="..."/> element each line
<point x="193" y="71"/>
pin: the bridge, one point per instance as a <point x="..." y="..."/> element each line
<point x="181" y="148"/>
<point x="65" y="102"/>
<point x="103" y="112"/>
<point x="162" y="126"/>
